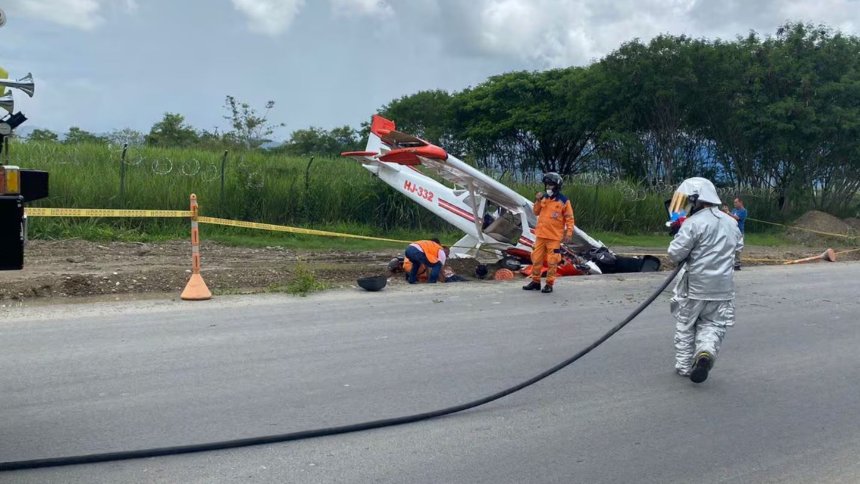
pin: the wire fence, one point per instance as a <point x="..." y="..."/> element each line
<point x="269" y="187"/>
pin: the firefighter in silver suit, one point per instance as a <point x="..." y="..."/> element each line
<point x="703" y="302"/>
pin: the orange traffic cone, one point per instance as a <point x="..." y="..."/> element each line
<point x="196" y="289"/>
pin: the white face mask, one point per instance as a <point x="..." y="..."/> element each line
<point x="549" y="192"/>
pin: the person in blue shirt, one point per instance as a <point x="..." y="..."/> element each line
<point x="739" y="213"/>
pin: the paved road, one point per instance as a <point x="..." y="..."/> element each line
<point x="781" y="406"/>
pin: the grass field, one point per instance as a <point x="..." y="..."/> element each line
<point x="330" y="194"/>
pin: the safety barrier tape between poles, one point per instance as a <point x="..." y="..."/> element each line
<point x="846" y="236"/>
<point x="104" y="212"/>
<point x="112" y="213"/>
<point x="293" y="230"/>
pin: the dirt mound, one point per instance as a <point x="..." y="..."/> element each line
<point x="854" y="222"/>
<point x="463" y="267"/>
<point x="814" y="226"/>
<point x="121" y="270"/>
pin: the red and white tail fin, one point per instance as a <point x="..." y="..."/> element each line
<point x="379" y="128"/>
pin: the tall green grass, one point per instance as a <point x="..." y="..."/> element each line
<point x="325" y="193"/>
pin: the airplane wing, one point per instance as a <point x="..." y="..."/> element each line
<point x="462" y="174"/>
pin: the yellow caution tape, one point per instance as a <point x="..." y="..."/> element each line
<point x="804" y="229"/>
<point x="100" y="212"/>
<point x="284" y="228"/>
<point x="104" y="212"/>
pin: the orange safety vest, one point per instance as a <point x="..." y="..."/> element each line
<point x="431" y="250"/>
<point x="555" y="217"/>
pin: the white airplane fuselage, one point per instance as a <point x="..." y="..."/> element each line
<point x="459" y="207"/>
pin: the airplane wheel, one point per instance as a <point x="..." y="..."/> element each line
<point x="510" y="263"/>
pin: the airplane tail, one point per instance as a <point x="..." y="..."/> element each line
<point x="379" y="127"/>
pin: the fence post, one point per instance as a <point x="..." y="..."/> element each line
<point x="122" y="174"/>
<point x="196" y="289"/>
<point x="223" y="170"/>
<point x="307" y="204"/>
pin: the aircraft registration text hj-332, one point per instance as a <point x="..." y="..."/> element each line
<point x="494" y="218"/>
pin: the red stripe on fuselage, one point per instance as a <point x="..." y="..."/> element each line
<point x="457" y="210"/>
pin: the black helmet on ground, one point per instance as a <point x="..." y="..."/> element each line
<point x="372" y="283"/>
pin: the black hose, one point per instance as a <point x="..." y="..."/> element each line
<point x="307" y="434"/>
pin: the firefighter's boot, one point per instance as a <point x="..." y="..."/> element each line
<point x="532" y="286"/>
<point x="702" y="365"/>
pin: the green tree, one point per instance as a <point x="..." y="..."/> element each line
<point x="212" y="139"/>
<point x="527" y="121"/>
<point x="654" y="97"/>
<point x="425" y="114"/>
<point x="249" y="128"/>
<point x="126" y="136"/>
<point x="77" y="135"/>
<point x="345" y="138"/>
<point x="42" y="135"/>
<point x="171" y="131"/>
<point x="318" y="141"/>
<point x="791" y="120"/>
<point x="810" y="111"/>
<point x="308" y="141"/>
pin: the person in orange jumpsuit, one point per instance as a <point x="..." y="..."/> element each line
<point x="554" y="227"/>
<point x="446" y="275"/>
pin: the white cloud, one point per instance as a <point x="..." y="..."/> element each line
<point x="553" y="33"/>
<point x="269" y="17"/>
<point x="80" y="14"/>
<point x="841" y="14"/>
<point x="372" y="8"/>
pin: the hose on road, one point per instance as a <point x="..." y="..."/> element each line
<point x="307" y="434"/>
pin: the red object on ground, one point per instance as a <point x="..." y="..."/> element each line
<point x="522" y="254"/>
<point x="564" y="269"/>
<point x="503" y="275"/>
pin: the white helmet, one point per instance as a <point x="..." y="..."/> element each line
<point x="688" y="193"/>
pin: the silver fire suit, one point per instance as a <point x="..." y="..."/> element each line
<point x="703" y="302"/>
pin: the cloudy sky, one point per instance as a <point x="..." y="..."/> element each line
<point x="110" y="64"/>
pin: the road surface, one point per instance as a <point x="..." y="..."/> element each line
<point x="781" y="405"/>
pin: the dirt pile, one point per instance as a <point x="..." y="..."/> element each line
<point x="815" y="227"/>
<point x="124" y="270"/>
<point x="854" y="222"/>
<point x="70" y="268"/>
<point x="464" y="267"/>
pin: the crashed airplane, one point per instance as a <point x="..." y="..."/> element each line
<point x="495" y="219"/>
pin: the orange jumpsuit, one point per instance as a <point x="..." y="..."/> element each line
<point x="555" y="222"/>
<point x="423" y="273"/>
